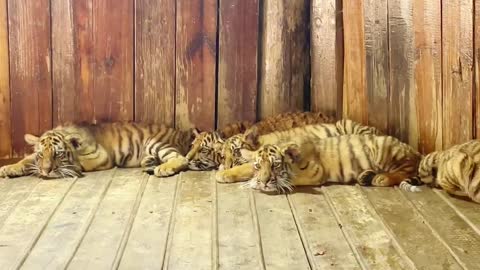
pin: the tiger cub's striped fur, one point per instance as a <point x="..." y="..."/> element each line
<point x="366" y="159"/>
<point x="69" y="150"/>
<point x="237" y="149"/>
<point x="456" y="170"/>
<point x="206" y="150"/>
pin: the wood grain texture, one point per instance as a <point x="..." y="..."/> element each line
<point x="402" y="121"/>
<point x="377" y="62"/>
<point x="326" y="56"/>
<point x="284" y="57"/>
<point x="237" y="66"/>
<point x="427" y="22"/>
<point x="196" y="63"/>
<point x="457" y="61"/>
<point x="72" y="61"/>
<point x="155" y="61"/>
<point x="113" y="56"/>
<point x="5" y="116"/>
<point x="477" y="67"/>
<point x="354" y="81"/>
<point x="30" y="73"/>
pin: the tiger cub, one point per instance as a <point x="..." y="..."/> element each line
<point x="369" y="160"/>
<point x="69" y="150"/>
<point x="456" y="170"/>
<point x="206" y="150"/>
<point x="237" y="149"/>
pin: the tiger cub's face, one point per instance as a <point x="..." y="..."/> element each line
<point x="237" y="150"/>
<point x="205" y="153"/>
<point x="54" y="157"/>
<point x="271" y="165"/>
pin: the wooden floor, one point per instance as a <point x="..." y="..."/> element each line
<point x="125" y="219"/>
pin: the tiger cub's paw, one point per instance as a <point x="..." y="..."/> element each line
<point x="149" y="161"/>
<point x="171" y="167"/>
<point x="222" y="177"/>
<point x="366" y="178"/>
<point x="14" y="170"/>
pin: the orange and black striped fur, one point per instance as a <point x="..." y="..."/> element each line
<point x="456" y="170"/>
<point x="206" y="150"/>
<point x="69" y="150"/>
<point x="366" y="159"/>
<point x="237" y="149"/>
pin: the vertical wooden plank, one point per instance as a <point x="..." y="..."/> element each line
<point x="417" y="240"/>
<point x="113" y="56"/>
<point x="282" y="246"/>
<point x="155" y="61"/>
<point x="326" y="56"/>
<point x="101" y="247"/>
<point x="72" y="61"/>
<point x="284" y="57"/>
<point x="377" y="62"/>
<point x="147" y="243"/>
<point x="192" y="231"/>
<point x="5" y="116"/>
<point x="27" y="221"/>
<point x="402" y="114"/>
<point x="196" y="63"/>
<point x="428" y="73"/>
<point x="321" y="235"/>
<point x="30" y="74"/>
<point x="477" y="65"/>
<point x="354" y="80"/>
<point x="237" y="66"/>
<point x="238" y="242"/>
<point x="457" y="61"/>
<point x="65" y="230"/>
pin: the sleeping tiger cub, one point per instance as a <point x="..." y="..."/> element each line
<point x="369" y="160"/>
<point x="237" y="149"/>
<point x="206" y="150"/>
<point x="69" y="150"/>
<point x="456" y="170"/>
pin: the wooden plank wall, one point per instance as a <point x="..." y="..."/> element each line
<point x="408" y="67"/>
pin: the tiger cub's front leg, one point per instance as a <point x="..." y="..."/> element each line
<point x="239" y="173"/>
<point x="172" y="162"/>
<point x="18" y="169"/>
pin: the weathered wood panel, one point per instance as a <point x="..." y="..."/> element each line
<point x="72" y="61"/>
<point x="477" y="66"/>
<point x="146" y="245"/>
<point x="191" y="232"/>
<point x="113" y="56"/>
<point x="102" y="247"/>
<point x="69" y="223"/>
<point x="457" y="60"/>
<point x="402" y="114"/>
<point x="275" y="219"/>
<point x="14" y="192"/>
<point x="27" y="221"/>
<point x="326" y="56"/>
<point x="377" y="62"/>
<point x="238" y="241"/>
<point x="5" y="116"/>
<point x="237" y="66"/>
<point x="196" y="63"/>
<point x="427" y="23"/>
<point x="284" y="61"/>
<point x="468" y="210"/>
<point x="30" y="74"/>
<point x="155" y="61"/>
<point x="409" y="230"/>
<point x="366" y="233"/>
<point x="354" y="81"/>
<point x="322" y="237"/>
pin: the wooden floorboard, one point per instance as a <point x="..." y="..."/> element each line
<point x="123" y="218"/>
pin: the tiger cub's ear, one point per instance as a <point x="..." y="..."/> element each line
<point x="251" y="137"/>
<point x="195" y="132"/>
<point x="31" y="139"/>
<point x="75" y="140"/>
<point x="293" y="153"/>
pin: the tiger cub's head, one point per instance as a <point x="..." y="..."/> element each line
<point x="273" y="168"/>
<point x="205" y="153"/>
<point x="237" y="150"/>
<point x="55" y="155"/>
